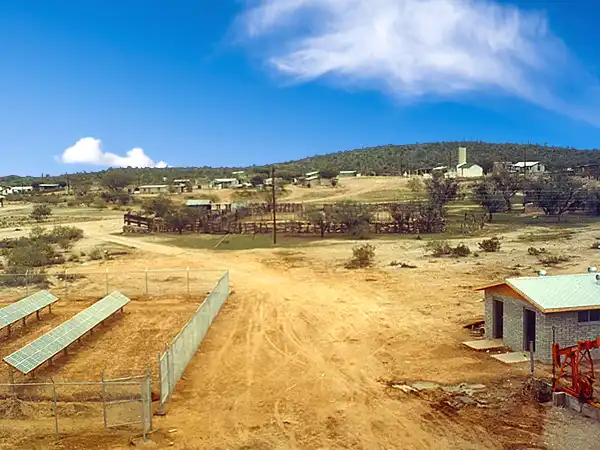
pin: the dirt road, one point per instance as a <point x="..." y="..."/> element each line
<point x="305" y="352"/>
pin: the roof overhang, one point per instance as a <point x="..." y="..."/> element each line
<point x="505" y="288"/>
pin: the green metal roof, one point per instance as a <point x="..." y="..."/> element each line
<point x="198" y="202"/>
<point x="560" y="292"/>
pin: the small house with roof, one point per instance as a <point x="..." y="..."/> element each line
<point x="529" y="167"/>
<point x="543" y="309"/>
<point x="202" y="204"/>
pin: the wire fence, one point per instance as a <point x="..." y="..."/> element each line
<point x="80" y="284"/>
<point x="177" y="355"/>
<point x="61" y="407"/>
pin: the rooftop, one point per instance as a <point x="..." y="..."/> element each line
<point x="225" y="180"/>
<point x="558" y="292"/>
<point x="154" y="186"/>
<point x="525" y="163"/>
<point x="193" y="202"/>
<point x="310" y="174"/>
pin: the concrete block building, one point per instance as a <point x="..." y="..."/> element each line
<point x="542" y="309"/>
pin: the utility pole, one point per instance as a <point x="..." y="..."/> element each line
<point x="274" y="206"/>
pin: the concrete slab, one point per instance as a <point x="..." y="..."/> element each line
<point x="485" y="344"/>
<point x="512" y="357"/>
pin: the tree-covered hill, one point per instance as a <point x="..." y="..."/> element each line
<point x="382" y="160"/>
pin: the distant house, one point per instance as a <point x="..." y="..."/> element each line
<point x="348" y="173"/>
<point x="199" y="204"/>
<point x="469" y="170"/>
<point x="225" y="183"/>
<point x="154" y="188"/>
<point x="46" y="187"/>
<point x="465" y="169"/>
<point x="19" y="189"/>
<point x="529" y="167"/>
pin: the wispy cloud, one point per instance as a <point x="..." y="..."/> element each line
<point x="89" y="151"/>
<point x="418" y="48"/>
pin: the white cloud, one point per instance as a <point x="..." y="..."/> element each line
<point x="89" y="151"/>
<point x="417" y="48"/>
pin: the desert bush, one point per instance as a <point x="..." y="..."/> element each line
<point x="552" y="259"/>
<point x="533" y="251"/>
<point x="402" y="265"/>
<point x="443" y="248"/>
<point x="461" y="250"/>
<point x="33" y="254"/>
<point x="362" y="256"/>
<point x="416" y="185"/>
<point x="40" y="212"/>
<point x="21" y="276"/>
<point x="490" y="245"/>
<point x="95" y="254"/>
<point x="438" y="248"/>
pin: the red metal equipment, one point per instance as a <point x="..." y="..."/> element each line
<point x="570" y="359"/>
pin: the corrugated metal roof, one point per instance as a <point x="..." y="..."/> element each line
<point x="526" y="163"/>
<point x="193" y="202"/>
<point x="560" y="292"/>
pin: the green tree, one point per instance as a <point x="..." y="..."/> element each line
<point x="353" y="216"/>
<point x="178" y="219"/>
<point x="556" y="195"/>
<point x="40" y="212"/>
<point x="160" y="206"/>
<point x="507" y="185"/>
<point x="116" y="180"/>
<point x="492" y="200"/>
<point x="321" y="218"/>
<point x="441" y="190"/>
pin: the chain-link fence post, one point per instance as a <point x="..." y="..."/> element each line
<point x="104" y="400"/>
<point x="54" y="407"/>
<point x="66" y="285"/>
<point x="188" y="281"/>
<point x="147" y="292"/>
<point x="27" y="283"/>
<point x="106" y="280"/>
<point x="147" y="404"/>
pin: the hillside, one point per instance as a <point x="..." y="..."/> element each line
<point x="388" y="159"/>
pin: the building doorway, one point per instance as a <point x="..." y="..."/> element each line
<point x="498" y="324"/>
<point x="528" y="328"/>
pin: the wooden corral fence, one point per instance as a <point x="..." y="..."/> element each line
<point x="402" y="218"/>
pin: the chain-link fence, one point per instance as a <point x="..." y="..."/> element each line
<point x="63" y="407"/>
<point x="177" y="355"/>
<point x="81" y="284"/>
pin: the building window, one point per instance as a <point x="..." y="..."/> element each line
<point x="589" y="316"/>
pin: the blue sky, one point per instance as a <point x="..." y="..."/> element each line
<point x="230" y="82"/>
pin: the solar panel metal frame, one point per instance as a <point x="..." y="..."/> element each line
<point x="25" y="307"/>
<point x="35" y="353"/>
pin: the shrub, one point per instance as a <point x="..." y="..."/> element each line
<point x="490" y="245"/>
<point x="362" y="256"/>
<point x="552" y="259"/>
<point x="402" y="265"/>
<point x="461" y="250"/>
<point x="22" y="276"/>
<point x="532" y="251"/>
<point x="438" y="248"/>
<point x="95" y="254"/>
<point x="40" y="212"/>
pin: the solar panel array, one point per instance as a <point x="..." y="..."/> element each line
<point x="45" y="347"/>
<point x="23" y="308"/>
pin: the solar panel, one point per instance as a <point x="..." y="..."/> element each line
<point x="45" y="347"/>
<point x="23" y="308"/>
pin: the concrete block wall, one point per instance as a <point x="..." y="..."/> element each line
<point x="513" y="327"/>
<point x="489" y="315"/>
<point x="568" y="331"/>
